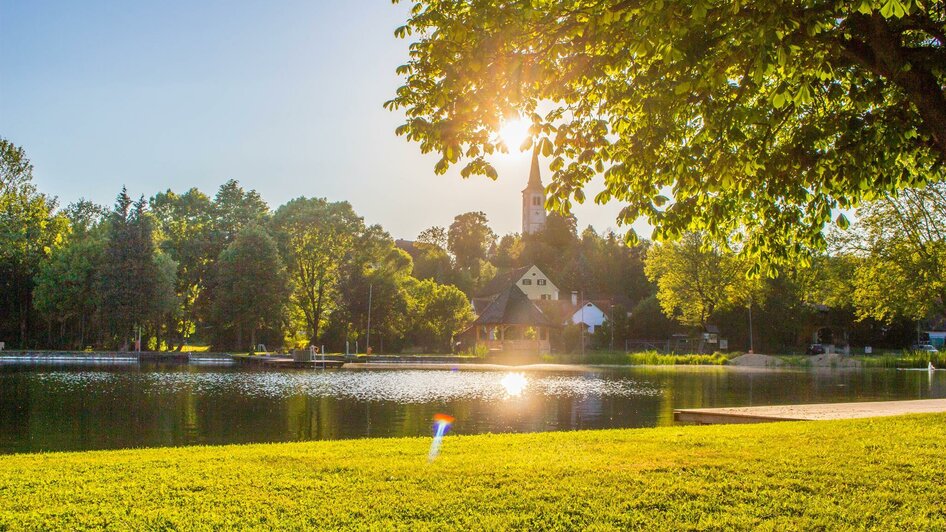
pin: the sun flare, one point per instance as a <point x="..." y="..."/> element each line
<point x="514" y="384"/>
<point x="513" y="133"/>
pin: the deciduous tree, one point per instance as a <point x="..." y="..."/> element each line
<point x="470" y="239"/>
<point x="252" y="286"/>
<point x="714" y="116"/>
<point x="30" y="229"/>
<point x="901" y="242"/>
<point x="695" y="279"/>
<point x="314" y="237"/>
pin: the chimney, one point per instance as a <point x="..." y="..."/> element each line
<point x="575" y="297"/>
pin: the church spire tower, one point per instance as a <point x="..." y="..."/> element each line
<point x="533" y="199"/>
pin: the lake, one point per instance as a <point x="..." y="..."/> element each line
<point x="61" y="407"/>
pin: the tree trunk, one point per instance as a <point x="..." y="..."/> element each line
<point x="318" y="315"/>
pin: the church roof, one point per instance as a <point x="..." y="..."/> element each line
<point x="535" y="178"/>
<point x="512" y="307"/>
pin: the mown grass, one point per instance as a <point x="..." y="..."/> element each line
<point x="884" y="473"/>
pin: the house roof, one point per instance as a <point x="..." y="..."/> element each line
<point x="480" y="304"/>
<point x="513" y="307"/>
<point x="502" y="281"/>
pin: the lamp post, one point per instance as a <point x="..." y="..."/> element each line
<point x="581" y="301"/>
<point x="368" y="333"/>
<point x="751" y="350"/>
<point x="611" y="325"/>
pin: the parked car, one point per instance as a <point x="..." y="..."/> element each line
<point x="815" y="349"/>
<point x="927" y="348"/>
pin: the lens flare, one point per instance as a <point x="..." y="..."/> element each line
<point x="442" y="423"/>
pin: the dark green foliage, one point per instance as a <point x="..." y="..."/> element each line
<point x="375" y="267"/>
<point x="30" y="230"/>
<point x="252" y="288"/>
<point x="189" y="236"/>
<point x="470" y="239"/>
<point x="67" y="292"/>
<point x="134" y="285"/>
<point x="437" y="313"/>
<point x="648" y="321"/>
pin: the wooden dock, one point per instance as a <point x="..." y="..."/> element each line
<point x="767" y="414"/>
<point x="288" y="362"/>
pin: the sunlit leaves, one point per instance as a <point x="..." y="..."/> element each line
<point x="747" y="116"/>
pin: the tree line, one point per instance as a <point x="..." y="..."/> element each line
<point x="227" y="270"/>
<point x="181" y="268"/>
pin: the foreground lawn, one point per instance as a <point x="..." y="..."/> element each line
<point x="884" y="473"/>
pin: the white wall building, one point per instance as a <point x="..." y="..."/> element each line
<point x="587" y="312"/>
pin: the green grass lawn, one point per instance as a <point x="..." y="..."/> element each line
<point x="885" y="473"/>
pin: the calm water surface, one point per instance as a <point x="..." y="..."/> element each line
<point x="77" y="407"/>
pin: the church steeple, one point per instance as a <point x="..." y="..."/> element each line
<point x="535" y="180"/>
<point x="533" y="199"/>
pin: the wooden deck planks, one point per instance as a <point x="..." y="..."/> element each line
<point x="812" y="412"/>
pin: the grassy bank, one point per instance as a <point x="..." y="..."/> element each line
<point x="883" y="473"/>
<point x="651" y="358"/>
<point x="907" y="359"/>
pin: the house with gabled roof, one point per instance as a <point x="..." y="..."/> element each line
<point x="530" y="279"/>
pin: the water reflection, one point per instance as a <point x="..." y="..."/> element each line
<point x="62" y="407"/>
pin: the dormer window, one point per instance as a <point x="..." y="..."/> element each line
<point x="540" y="282"/>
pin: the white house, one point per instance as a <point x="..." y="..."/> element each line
<point x="589" y="313"/>
<point x="531" y="280"/>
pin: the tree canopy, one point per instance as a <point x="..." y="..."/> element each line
<point x="694" y="282"/>
<point x="747" y="117"/>
<point x="901" y="243"/>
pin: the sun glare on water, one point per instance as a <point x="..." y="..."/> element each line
<point x="514" y="383"/>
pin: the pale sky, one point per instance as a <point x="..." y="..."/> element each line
<point x="285" y="97"/>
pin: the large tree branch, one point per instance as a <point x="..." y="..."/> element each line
<point x="879" y="48"/>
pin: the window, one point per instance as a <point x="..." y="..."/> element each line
<point x="526" y="281"/>
<point x="540" y="282"/>
<point x="546" y="296"/>
<point x="536" y="200"/>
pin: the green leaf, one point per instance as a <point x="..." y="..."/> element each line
<point x="842" y="222"/>
<point x="893" y="8"/>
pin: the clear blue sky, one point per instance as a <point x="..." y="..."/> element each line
<point x="283" y="96"/>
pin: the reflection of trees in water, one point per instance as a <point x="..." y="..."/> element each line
<point x="65" y="409"/>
